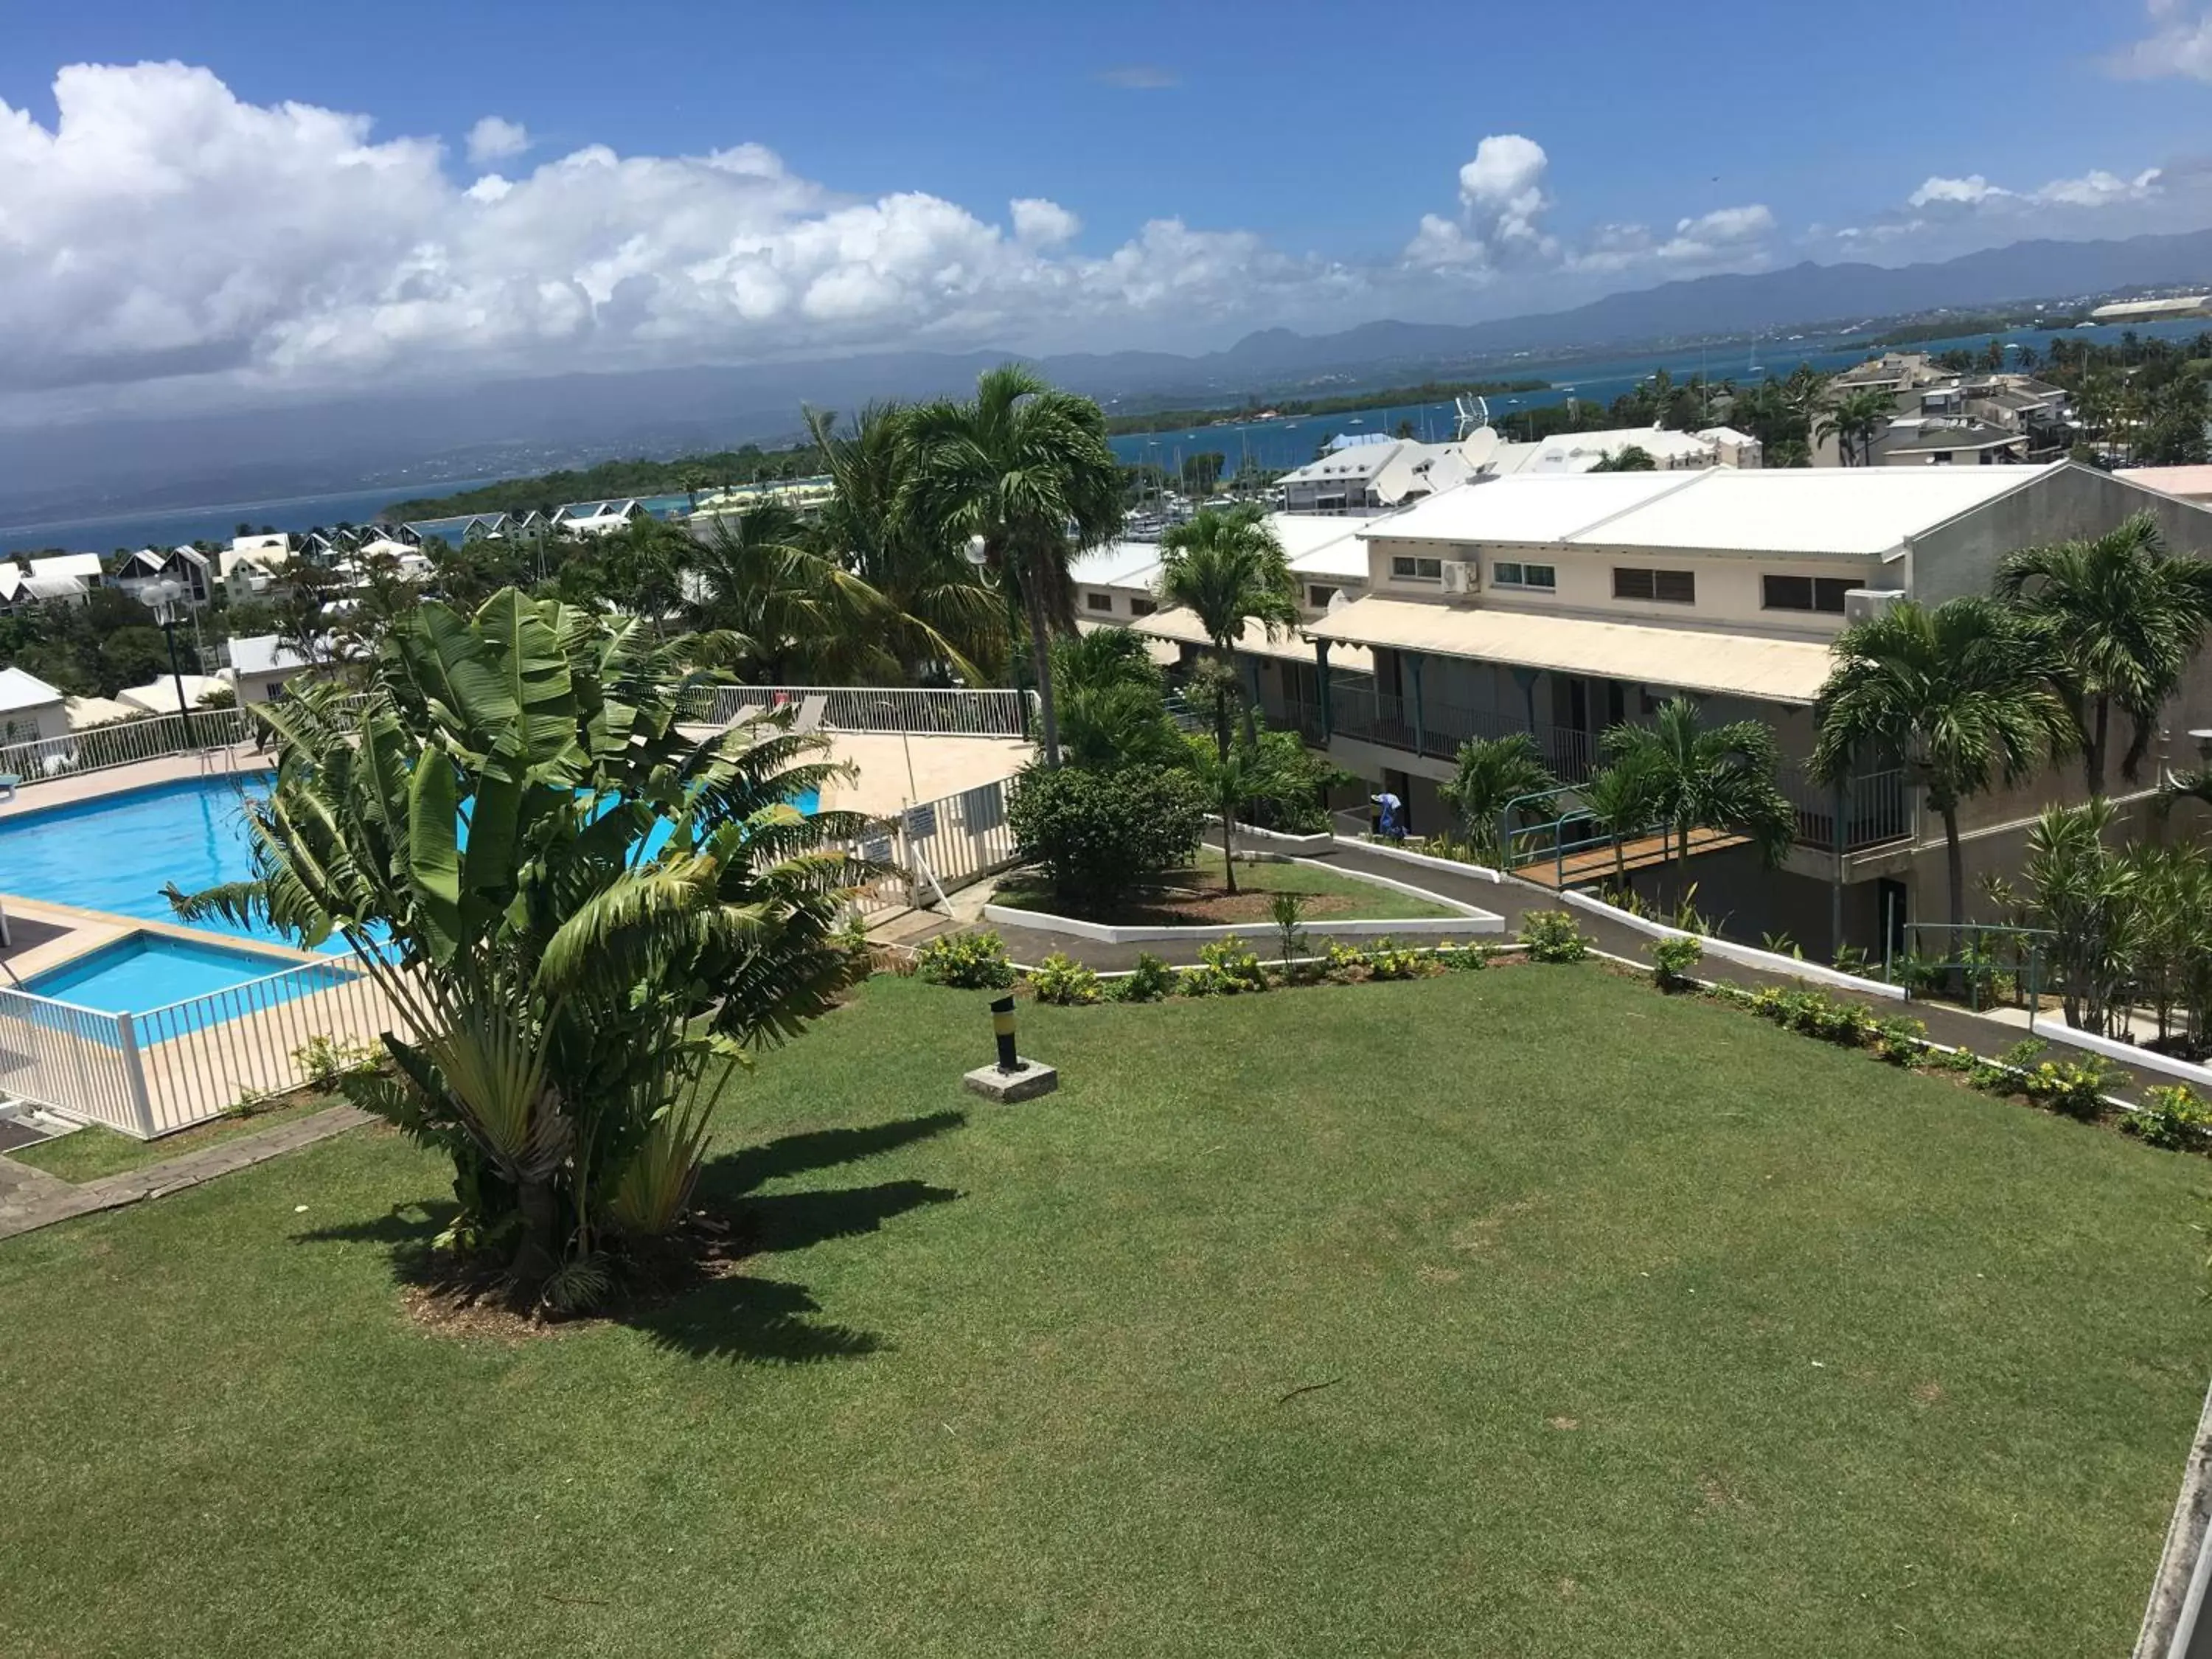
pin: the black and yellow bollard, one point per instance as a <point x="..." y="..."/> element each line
<point x="1013" y="1078"/>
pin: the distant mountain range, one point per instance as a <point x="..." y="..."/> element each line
<point x="420" y="438"/>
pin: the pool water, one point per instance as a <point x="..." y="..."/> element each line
<point x="151" y="971"/>
<point x="117" y="853"/>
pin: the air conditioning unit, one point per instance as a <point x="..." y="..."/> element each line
<point x="1865" y="603"/>
<point x="1462" y="576"/>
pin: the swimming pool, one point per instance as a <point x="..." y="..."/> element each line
<point x="116" y="854"/>
<point x="144" y="971"/>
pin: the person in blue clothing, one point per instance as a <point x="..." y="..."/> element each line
<point x="1390" y="819"/>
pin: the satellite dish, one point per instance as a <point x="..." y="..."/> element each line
<point x="1479" y="445"/>
<point x="1337" y="601"/>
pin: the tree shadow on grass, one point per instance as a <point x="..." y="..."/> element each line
<point x="716" y="1310"/>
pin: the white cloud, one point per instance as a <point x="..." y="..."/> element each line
<point x="1971" y="189"/>
<point x="164" y="228"/>
<point x="1502" y="204"/>
<point x="2180" y="43"/>
<point x="1041" y="223"/>
<point x="494" y="139"/>
<point x="2093" y="189"/>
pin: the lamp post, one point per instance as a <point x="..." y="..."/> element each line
<point x="161" y="595"/>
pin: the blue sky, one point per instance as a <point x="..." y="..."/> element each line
<point x="1318" y="165"/>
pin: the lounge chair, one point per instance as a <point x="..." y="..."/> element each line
<point x="810" y="710"/>
<point x="8" y="782"/>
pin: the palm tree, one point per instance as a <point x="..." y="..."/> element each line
<point x="1227" y="569"/>
<point x="631" y="909"/>
<point x="1492" y="774"/>
<point x="1113" y="703"/>
<point x="1622" y="799"/>
<point x="1961" y="692"/>
<point x="792" y="611"/>
<point x="2126" y="618"/>
<point x="1026" y="467"/>
<point x="1720" y="777"/>
<point x="942" y="614"/>
<point x="1855" y="421"/>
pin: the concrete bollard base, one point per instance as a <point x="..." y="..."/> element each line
<point x="1026" y="1082"/>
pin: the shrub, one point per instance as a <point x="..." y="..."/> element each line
<point x="966" y="961"/>
<point x="1551" y="936"/>
<point x="1672" y="960"/>
<point x="1148" y="981"/>
<point x="2174" y="1117"/>
<point x="1097" y="835"/>
<point x="1899" y="1039"/>
<point x="1346" y="963"/>
<point x="1061" y="979"/>
<point x="1234" y="964"/>
<point x="325" y="1060"/>
<point x="1464" y="958"/>
<point x="1388" y="959"/>
<point x="1816" y="1014"/>
<point x="2075" y="1087"/>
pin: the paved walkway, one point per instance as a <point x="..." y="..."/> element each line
<point x="31" y="1198"/>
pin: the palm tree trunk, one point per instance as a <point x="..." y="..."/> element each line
<point x="1954" y="864"/>
<point x="2093" y="751"/>
<point x="1041" y="660"/>
<point x="536" y="1258"/>
<point x="1227" y="844"/>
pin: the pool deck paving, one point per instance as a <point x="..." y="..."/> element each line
<point x="31" y="1198"/>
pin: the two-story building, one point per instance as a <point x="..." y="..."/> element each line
<point x="1562" y="606"/>
<point x="191" y="570"/>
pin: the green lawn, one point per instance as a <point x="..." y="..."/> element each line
<point x="1646" y="1328"/>
<point x="1339" y="897"/>
<point x="88" y="1153"/>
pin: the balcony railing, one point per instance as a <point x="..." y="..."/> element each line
<point x="1381" y="718"/>
<point x="1876" y="808"/>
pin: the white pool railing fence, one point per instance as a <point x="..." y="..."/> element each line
<point x="977" y="713"/>
<point x="126" y="743"/>
<point x="938" y="847"/>
<point x="151" y="1074"/>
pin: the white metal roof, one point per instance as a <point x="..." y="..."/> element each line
<point x="21" y="690"/>
<point x="264" y="653"/>
<point x="1689" y="659"/>
<point x="85" y="565"/>
<point x="1361" y="461"/>
<point x="1320" y="545"/>
<point x="1289" y="644"/>
<point x="1856" y="510"/>
<point x="160" y="697"/>
<point x="1528" y="509"/>
<point x="1119" y="565"/>
<point x="1578" y="452"/>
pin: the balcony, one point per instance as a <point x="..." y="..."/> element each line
<point x="1437" y="729"/>
<point x="1876" y="809"/>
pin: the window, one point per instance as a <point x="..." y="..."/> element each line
<point x="1405" y="569"/>
<point x="1142" y="607"/>
<point x="1822" y="593"/>
<point x="1667" y="586"/>
<point x="1318" y="595"/>
<point x="1098" y="601"/>
<point x="1507" y="573"/>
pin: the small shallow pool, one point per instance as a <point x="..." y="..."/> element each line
<point x="144" y="971"/>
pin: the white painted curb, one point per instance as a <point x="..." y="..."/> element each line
<point x="1769" y="961"/>
<point x="1473" y="921"/>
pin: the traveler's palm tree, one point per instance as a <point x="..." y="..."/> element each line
<point x="2125" y="619"/>
<point x="939" y="612"/>
<point x="1226" y="566"/>
<point x="629" y="908"/>
<point x="1961" y="692"/>
<point x="1027" y="468"/>
<point x="1113" y="707"/>
<point x="1491" y="774"/>
<point x="1719" y="778"/>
